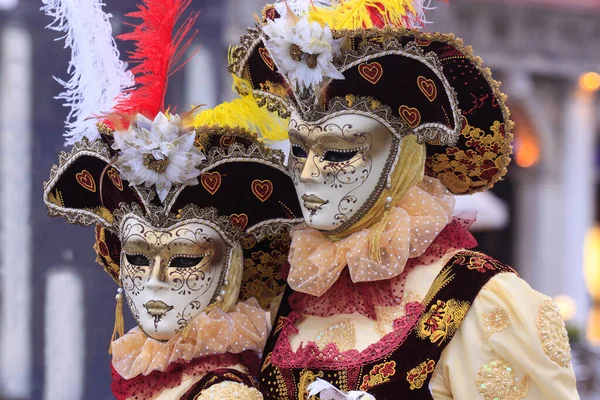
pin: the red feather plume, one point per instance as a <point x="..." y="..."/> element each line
<point x="159" y="49"/>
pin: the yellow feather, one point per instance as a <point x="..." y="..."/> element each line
<point x="243" y="112"/>
<point x="354" y="14"/>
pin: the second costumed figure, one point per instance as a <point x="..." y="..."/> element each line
<point x="386" y="299"/>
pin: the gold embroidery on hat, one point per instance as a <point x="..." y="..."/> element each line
<point x="372" y="72"/>
<point x="428" y="88"/>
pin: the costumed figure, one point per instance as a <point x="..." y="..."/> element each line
<point x="386" y="125"/>
<point x="192" y="212"/>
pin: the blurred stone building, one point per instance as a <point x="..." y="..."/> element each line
<point x="57" y="305"/>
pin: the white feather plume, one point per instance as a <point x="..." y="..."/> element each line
<point x="421" y="8"/>
<point x="97" y="74"/>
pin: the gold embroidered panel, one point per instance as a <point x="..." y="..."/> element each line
<point x="497" y="380"/>
<point x="553" y="333"/>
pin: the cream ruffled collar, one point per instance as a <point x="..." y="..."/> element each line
<point x="317" y="261"/>
<point x="215" y="332"/>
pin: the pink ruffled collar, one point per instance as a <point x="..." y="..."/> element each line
<point x="215" y="332"/>
<point x="310" y="356"/>
<point x="316" y="261"/>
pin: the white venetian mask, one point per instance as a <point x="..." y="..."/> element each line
<point x="340" y="167"/>
<point x="171" y="275"/>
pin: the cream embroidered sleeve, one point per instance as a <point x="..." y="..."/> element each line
<point x="511" y="345"/>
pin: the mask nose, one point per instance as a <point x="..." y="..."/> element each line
<point x="310" y="170"/>
<point x="157" y="279"/>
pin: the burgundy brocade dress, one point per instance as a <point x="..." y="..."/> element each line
<point x="401" y="364"/>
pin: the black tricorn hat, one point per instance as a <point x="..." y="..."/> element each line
<point x="244" y="192"/>
<point x="426" y="84"/>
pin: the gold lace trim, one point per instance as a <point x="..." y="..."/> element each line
<point x="497" y="380"/>
<point x="553" y="334"/>
<point x="387" y="315"/>
<point x="341" y="333"/>
<point x="231" y="391"/>
<point x="495" y="321"/>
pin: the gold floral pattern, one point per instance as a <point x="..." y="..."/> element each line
<point x="553" y="334"/>
<point x="496" y="321"/>
<point x="387" y="315"/>
<point x="418" y="375"/>
<point x="380" y="373"/>
<point x="476" y="166"/>
<point x="229" y="390"/>
<point x="341" y="333"/>
<point x="497" y="380"/>
<point x="442" y="320"/>
<point x="262" y="279"/>
<point x="479" y="262"/>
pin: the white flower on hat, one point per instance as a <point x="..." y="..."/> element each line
<point x="304" y="51"/>
<point x="159" y="153"/>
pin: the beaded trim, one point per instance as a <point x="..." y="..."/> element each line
<point x="238" y="153"/>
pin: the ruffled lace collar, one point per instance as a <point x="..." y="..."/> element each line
<point x="316" y="261"/>
<point x="215" y="332"/>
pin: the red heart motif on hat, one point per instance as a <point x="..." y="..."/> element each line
<point x="371" y="72"/>
<point x="264" y="54"/>
<point x="226" y="141"/>
<point x="411" y="115"/>
<point x="422" y="41"/>
<point x="262" y="189"/>
<point x="211" y="181"/>
<point x="239" y="220"/>
<point x="86" y="180"/>
<point x="428" y="88"/>
<point x="115" y="178"/>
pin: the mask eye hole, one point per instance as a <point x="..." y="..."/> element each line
<point x="339" y="155"/>
<point x="186" y="262"/>
<point x="299" y="151"/>
<point x="137" y="260"/>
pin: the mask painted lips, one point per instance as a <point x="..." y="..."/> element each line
<point x="312" y="202"/>
<point x="157" y="308"/>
